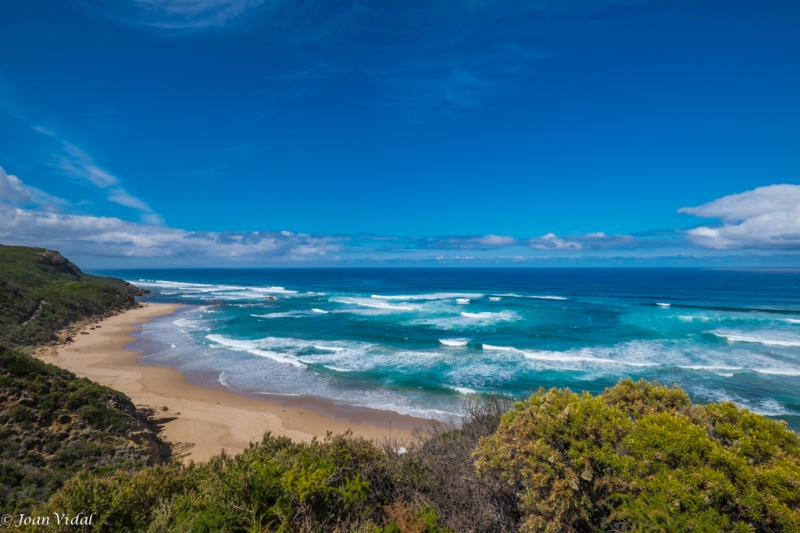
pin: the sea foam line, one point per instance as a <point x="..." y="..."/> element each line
<point x="252" y="348"/>
<point x="737" y="336"/>
<point x="364" y="302"/>
<point x="563" y="357"/>
<point x="431" y="296"/>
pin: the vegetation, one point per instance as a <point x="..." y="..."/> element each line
<point x="41" y="292"/>
<point x="641" y="457"/>
<point x="53" y="424"/>
<point x="638" y="458"/>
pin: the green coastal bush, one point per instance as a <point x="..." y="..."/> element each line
<point x="52" y="425"/>
<point x="338" y="484"/>
<point x="640" y="457"/>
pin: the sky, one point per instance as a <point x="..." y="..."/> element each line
<point x="354" y="133"/>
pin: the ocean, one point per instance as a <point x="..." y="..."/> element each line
<point x="415" y="341"/>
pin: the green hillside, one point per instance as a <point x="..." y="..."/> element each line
<point x="42" y="292"/>
<point x="53" y="424"/>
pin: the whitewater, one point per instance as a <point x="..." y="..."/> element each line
<point x="416" y="341"/>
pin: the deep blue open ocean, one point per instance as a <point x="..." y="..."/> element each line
<point x="416" y="340"/>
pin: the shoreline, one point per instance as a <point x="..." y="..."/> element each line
<point x="200" y="420"/>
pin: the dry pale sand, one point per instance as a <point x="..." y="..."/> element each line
<point x="199" y="421"/>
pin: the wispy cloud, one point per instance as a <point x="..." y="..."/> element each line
<point x="177" y="15"/>
<point x="417" y="53"/>
<point x="12" y="190"/>
<point x="764" y="218"/>
<point x="78" y="164"/>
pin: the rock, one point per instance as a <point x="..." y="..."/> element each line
<point x="59" y="262"/>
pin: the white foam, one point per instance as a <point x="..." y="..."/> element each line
<point x="466" y="391"/>
<point x="319" y="311"/>
<point x="337" y="368"/>
<point x="778" y="371"/>
<point x="548" y="297"/>
<point x="769" y="338"/>
<point x="432" y="296"/>
<point x="465" y="321"/>
<point x="185" y="323"/>
<point x="462" y="301"/>
<point x="253" y="348"/>
<point x="454" y="342"/>
<point x="287" y="314"/>
<point x="495" y="298"/>
<point x="500" y="348"/>
<point x="792" y="320"/>
<point x="711" y="368"/>
<point x="766" y="407"/>
<point x="564" y="357"/>
<point x="179" y="283"/>
<point x="366" y="302"/>
<point x="329" y="348"/>
<point x="272" y="290"/>
<point x="692" y="318"/>
<point x="583" y="355"/>
<point x="663" y="304"/>
<point x="502" y="315"/>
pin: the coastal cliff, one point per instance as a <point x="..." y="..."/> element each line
<point x="53" y="424"/>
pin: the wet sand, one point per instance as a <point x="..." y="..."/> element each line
<point x="201" y="421"/>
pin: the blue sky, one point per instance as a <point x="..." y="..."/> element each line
<point x="260" y="132"/>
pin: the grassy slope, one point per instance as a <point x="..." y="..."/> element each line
<point x="41" y="292"/>
<point x="53" y="424"/>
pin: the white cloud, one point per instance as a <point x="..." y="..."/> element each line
<point x="112" y="237"/>
<point x="551" y="242"/>
<point x="497" y="240"/>
<point x="12" y="189"/>
<point x="82" y="235"/>
<point x="764" y="218"/>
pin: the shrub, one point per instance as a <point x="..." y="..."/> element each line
<point x="40" y="450"/>
<point x="437" y="472"/>
<point x="276" y="485"/>
<point x="641" y="457"/>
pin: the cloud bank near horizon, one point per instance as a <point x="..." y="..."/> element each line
<point x="767" y="218"/>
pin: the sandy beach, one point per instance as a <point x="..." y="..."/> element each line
<point x="199" y="421"/>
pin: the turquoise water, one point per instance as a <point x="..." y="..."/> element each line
<point x="416" y="340"/>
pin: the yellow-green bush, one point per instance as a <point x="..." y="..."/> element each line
<point x="640" y="457"/>
<point x="276" y="485"/>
